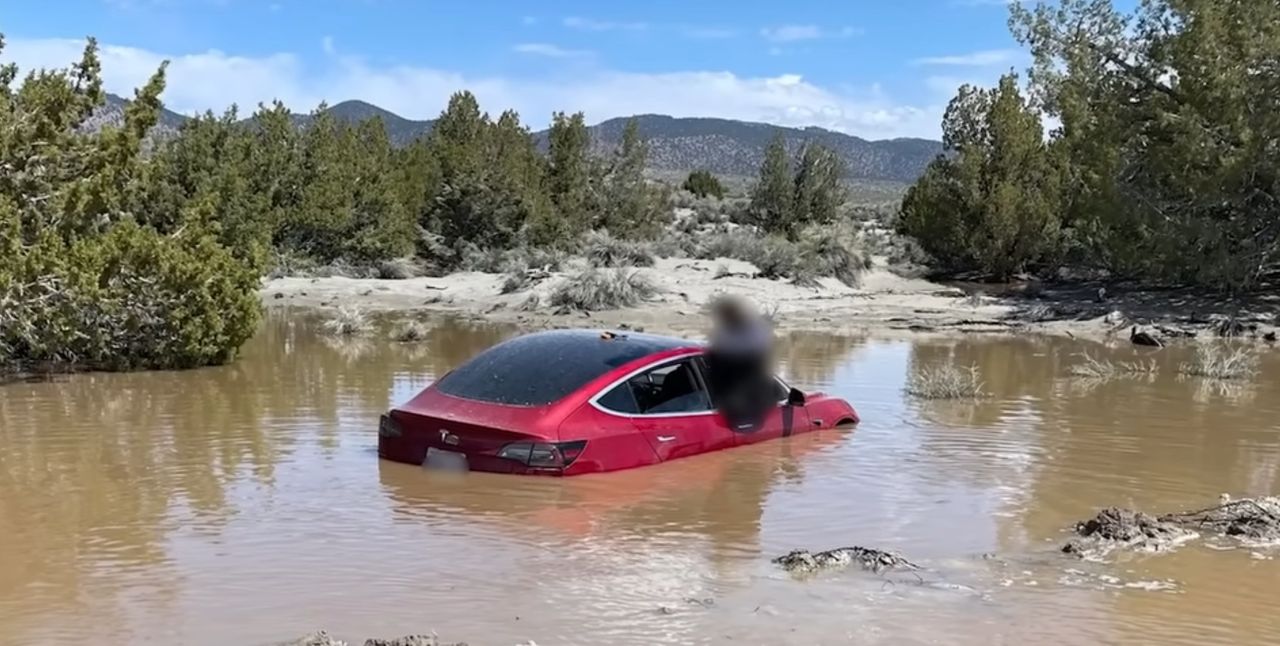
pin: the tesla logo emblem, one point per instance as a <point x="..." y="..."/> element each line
<point x="448" y="438"/>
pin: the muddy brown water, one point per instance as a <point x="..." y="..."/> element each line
<point x="245" y="504"/>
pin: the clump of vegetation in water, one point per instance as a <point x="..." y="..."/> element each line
<point x="410" y="332"/>
<point x="1105" y="369"/>
<point x="1221" y="362"/>
<point x="602" y="289"/>
<point x="348" y="321"/>
<point x="947" y="381"/>
<point x="88" y="278"/>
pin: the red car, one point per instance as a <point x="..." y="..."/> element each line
<point x="568" y="402"/>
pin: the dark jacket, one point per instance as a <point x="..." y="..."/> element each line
<point x="742" y="382"/>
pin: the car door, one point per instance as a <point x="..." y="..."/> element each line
<point x="671" y="408"/>
<point x="783" y="419"/>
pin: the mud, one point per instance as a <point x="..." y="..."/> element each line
<point x="1251" y="519"/>
<point x="323" y="638"/>
<point x="801" y="562"/>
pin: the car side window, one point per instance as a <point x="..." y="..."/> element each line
<point x="620" y="399"/>
<point x="780" y="392"/>
<point x="670" y="388"/>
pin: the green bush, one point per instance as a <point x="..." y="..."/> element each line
<point x="125" y="300"/>
<point x="83" y="282"/>
<point x="703" y="184"/>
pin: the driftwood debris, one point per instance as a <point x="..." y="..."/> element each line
<point x="806" y="562"/>
<point x="1256" y="519"/>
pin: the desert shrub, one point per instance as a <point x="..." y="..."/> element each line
<point x="129" y="298"/>
<point x="497" y="261"/>
<point x="703" y="184"/>
<point x="827" y="254"/>
<point x="739" y="244"/>
<point x="818" y="254"/>
<point x="675" y="244"/>
<point x="602" y="289"/>
<point x="82" y="281"/>
<point x="399" y="269"/>
<point x="604" y="250"/>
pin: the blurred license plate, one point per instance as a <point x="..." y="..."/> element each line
<point x="445" y="460"/>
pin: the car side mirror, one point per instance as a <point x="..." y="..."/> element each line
<point x="795" y="397"/>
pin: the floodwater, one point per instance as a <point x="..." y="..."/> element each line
<point x="245" y="504"/>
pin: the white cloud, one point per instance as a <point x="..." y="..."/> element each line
<point x="214" y="80"/>
<point x="588" y="24"/>
<point x="549" y="50"/>
<point x="793" y="33"/>
<point x="973" y="59"/>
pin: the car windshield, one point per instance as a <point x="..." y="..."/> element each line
<point x="538" y="369"/>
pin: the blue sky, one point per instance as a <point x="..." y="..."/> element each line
<point x="874" y="68"/>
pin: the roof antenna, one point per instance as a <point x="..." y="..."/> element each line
<point x="608" y="335"/>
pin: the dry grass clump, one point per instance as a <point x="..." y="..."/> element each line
<point x="348" y="321"/>
<point x="1221" y="362"/>
<point x="596" y="289"/>
<point x="947" y="381"/>
<point x="410" y="332"/>
<point x="1106" y="369"/>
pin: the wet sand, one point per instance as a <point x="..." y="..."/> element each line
<point x="884" y="303"/>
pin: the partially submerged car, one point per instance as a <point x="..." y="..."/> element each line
<point x="568" y="402"/>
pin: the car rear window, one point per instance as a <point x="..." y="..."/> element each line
<point x="538" y="369"/>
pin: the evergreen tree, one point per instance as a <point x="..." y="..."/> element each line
<point x="1171" y="163"/>
<point x="818" y="188"/>
<point x="381" y="226"/>
<point x="632" y="208"/>
<point x="569" y="176"/>
<point x="84" y="282"/>
<point x="773" y="196"/>
<point x="994" y="205"/>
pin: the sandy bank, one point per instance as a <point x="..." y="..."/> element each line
<point x="883" y="303"/>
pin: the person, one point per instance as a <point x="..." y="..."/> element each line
<point x="739" y="359"/>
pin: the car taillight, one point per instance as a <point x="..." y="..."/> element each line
<point x="544" y="455"/>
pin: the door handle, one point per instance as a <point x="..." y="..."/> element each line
<point x="666" y="438"/>
<point x="817" y="422"/>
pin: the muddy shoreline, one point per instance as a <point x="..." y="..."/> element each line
<point x="884" y="303"/>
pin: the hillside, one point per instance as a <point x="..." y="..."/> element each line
<point x="729" y="147"/>
<point x="676" y="145"/>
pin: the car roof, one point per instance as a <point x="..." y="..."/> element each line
<point x="541" y="367"/>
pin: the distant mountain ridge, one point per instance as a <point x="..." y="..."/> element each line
<point x="722" y="146"/>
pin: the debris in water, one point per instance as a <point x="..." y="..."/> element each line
<point x="322" y="638"/>
<point x="1255" y="520"/>
<point x="1114" y="527"/>
<point x="804" y="562"/>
